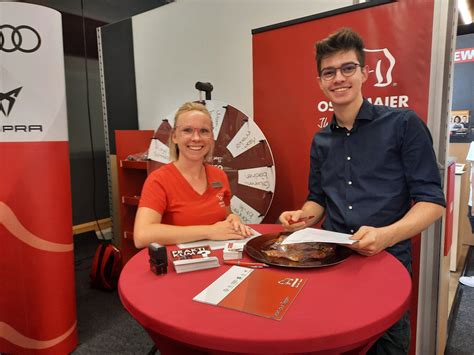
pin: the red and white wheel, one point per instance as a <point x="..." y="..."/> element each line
<point x="241" y="150"/>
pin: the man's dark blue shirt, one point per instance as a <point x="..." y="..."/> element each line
<point x="371" y="175"/>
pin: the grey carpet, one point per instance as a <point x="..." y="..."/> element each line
<point x="461" y="331"/>
<point x="104" y="326"/>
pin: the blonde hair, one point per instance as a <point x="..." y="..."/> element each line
<point x="187" y="107"/>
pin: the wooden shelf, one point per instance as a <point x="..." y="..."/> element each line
<point x="131" y="176"/>
<point x="133" y="164"/>
<point x="130" y="200"/>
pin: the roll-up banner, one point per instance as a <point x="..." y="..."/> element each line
<point x="37" y="294"/>
<point x="289" y="106"/>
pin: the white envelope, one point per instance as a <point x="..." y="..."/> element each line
<point x="312" y="235"/>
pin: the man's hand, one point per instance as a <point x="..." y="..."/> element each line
<point x="292" y="220"/>
<point x="371" y="240"/>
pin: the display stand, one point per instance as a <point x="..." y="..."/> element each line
<point x="131" y="176"/>
<point x="457" y="242"/>
<point x="37" y="290"/>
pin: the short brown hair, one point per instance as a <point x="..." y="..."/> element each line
<point x="187" y="107"/>
<point x="345" y="39"/>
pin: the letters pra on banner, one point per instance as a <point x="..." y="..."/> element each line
<point x="37" y="298"/>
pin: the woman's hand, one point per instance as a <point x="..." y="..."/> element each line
<point x="231" y="228"/>
<point x="223" y="230"/>
<point x="239" y="226"/>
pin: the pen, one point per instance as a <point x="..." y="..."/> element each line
<point x="246" y="264"/>
<point x="302" y="219"/>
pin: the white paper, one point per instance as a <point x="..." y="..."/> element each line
<point x="247" y="214"/>
<point x="217" y="110"/>
<point x="158" y="151"/>
<point x="258" y="178"/>
<point x="459" y="168"/>
<point x="219" y="289"/>
<point x="217" y="244"/>
<point x="312" y="235"/>
<point x="248" y="136"/>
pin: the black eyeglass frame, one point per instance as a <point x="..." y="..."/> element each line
<point x="321" y="76"/>
<point x="201" y="131"/>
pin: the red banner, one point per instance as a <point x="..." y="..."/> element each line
<point x="37" y="293"/>
<point x="37" y="301"/>
<point x="290" y="108"/>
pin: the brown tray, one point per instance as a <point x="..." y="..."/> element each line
<point x="255" y="246"/>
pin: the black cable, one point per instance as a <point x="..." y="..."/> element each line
<point x="90" y="122"/>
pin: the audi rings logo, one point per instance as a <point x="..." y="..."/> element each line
<point x="21" y="38"/>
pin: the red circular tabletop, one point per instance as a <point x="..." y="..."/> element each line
<point x="341" y="307"/>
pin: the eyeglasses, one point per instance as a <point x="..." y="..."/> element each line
<point x="204" y="132"/>
<point x="347" y="70"/>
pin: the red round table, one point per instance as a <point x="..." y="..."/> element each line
<point x="342" y="308"/>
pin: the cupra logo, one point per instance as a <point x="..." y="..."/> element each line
<point x="7" y="100"/>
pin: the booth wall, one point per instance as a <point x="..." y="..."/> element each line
<point x="209" y="40"/>
<point x="82" y="169"/>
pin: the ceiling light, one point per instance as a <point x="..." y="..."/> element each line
<point x="464" y="11"/>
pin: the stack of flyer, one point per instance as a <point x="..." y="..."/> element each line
<point x="266" y="293"/>
<point x="191" y="259"/>
<point x="233" y="250"/>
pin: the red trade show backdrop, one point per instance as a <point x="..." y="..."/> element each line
<point x="37" y="294"/>
<point x="290" y="108"/>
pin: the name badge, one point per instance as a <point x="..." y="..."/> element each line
<point x="216" y="184"/>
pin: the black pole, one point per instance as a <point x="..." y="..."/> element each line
<point x="206" y="87"/>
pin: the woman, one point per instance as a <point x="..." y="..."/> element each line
<point x="187" y="199"/>
<point x="456" y="125"/>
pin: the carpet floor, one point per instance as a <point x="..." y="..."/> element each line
<point x="461" y="332"/>
<point x="104" y="326"/>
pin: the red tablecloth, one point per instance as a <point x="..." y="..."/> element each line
<point x="341" y="307"/>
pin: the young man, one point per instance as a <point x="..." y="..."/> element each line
<point x="368" y="167"/>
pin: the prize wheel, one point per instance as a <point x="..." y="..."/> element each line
<point x="241" y="150"/>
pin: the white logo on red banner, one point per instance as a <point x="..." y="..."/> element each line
<point x="464" y="55"/>
<point x="381" y="62"/>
